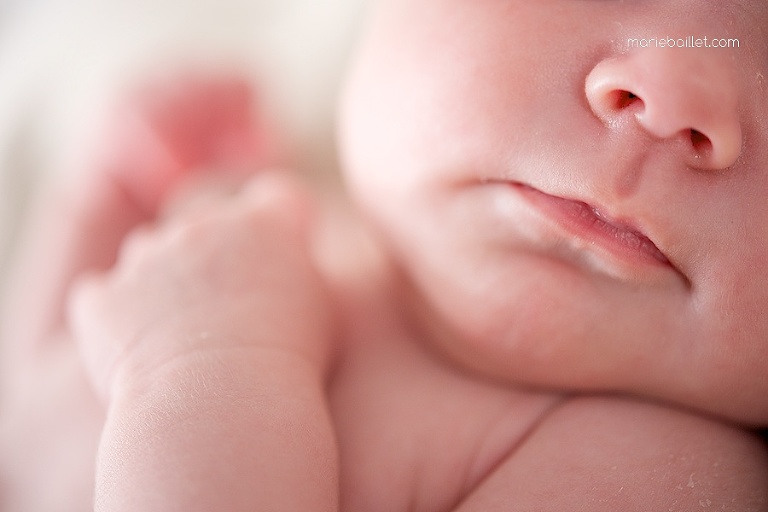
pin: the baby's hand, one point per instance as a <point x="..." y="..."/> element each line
<point x="235" y="275"/>
<point x="210" y="339"/>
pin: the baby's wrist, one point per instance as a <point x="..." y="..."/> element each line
<point x="222" y="372"/>
<point x="169" y="353"/>
<point x="219" y="417"/>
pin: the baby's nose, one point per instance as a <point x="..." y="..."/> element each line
<point x="688" y="94"/>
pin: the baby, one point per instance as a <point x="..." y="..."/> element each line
<point x="549" y="294"/>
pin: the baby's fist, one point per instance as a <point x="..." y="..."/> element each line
<point x="234" y="275"/>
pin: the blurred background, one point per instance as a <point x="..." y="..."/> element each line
<point x="62" y="63"/>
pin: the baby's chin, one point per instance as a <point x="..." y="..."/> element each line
<point x="532" y="335"/>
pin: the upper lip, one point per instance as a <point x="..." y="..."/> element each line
<point x="632" y="231"/>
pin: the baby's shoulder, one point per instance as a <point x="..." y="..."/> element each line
<point x="607" y="453"/>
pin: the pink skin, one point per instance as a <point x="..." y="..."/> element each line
<point x="462" y="156"/>
<point x="210" y="341"/>
<point x="176" y="125"/>
<point x="210" y="336"/>
<point x="161" y="136"/>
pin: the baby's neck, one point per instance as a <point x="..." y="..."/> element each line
<point x="368" y="282"/>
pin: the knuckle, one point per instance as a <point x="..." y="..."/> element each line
<point x="195" y="199"/>
<point x="136" y="243"/>
<point x="86" y="288"/>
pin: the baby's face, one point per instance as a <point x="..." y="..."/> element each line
<point x="585" y="214"/>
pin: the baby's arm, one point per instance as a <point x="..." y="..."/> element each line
<point x="612" y="453"/>
<point x="210" y="341"/>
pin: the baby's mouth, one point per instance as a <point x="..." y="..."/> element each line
<point x="587" y="224"/>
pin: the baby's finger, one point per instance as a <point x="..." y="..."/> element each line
<point x="268" y="194"/>
<point x="280" y="193"/>
<point x="85" y="312"/>
<point x="201" y="193"/>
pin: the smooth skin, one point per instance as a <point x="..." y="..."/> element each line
<point x="383" y="356"/>
<point x="442" y="116"/>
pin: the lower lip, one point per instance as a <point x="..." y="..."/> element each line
<point x="588" y="225"/>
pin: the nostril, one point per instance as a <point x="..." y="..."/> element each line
<point x="624" y="99"/>
<point x="700" y="142"/>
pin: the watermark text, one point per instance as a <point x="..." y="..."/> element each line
<point x="683" y="42"/>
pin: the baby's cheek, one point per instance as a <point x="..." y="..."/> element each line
<point x="723" y="363"/>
